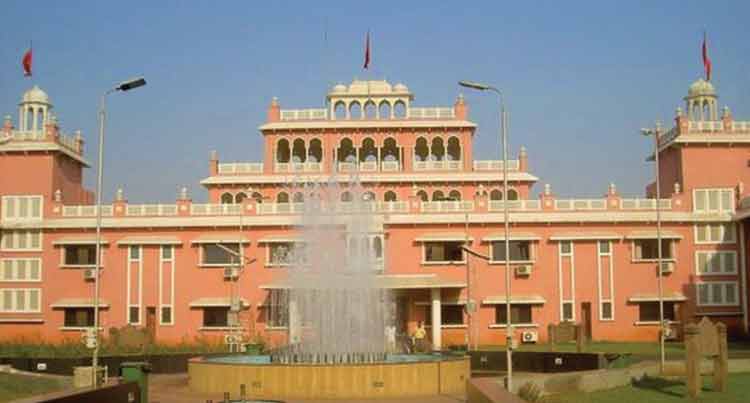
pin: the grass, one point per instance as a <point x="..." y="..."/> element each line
<point x="658" y="390"/>
<point x="13" y="386"/>
<point x="74" y="349"/>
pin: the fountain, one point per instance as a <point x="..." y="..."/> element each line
<point x="336" y="314"/>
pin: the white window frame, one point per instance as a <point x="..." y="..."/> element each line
<point x="722" y="232"/>
<point x="610" y="268"/>
<point x="162" y="262"/>
<point x="269" y="255"/>
<point x="82" y="266"/>
<point x="441" y="262"/>
<point x="128" y="304"/>
<point x="14" y="270"/>
<point x="10" y="241"/>
<point x="27" y="300"/>
<point x="709" y="284"/>
<point x="532" y="252"/>
<point x="672" y="251"/>
<point x="238" y="262"/>
<point x="14" y="214"/>
<point x="560" y="256"/>
<point x="704" y="194"/>
<point x="724" y="255"/>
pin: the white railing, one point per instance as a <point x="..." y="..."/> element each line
<point x="432" y="113"/>
<point x="741" y="126"/>
<point x="368" y="166"/>
<point x="215" y="209"/>
<point x="230" y="168"/>
<point x="492" y="165"/>
<point x="280" y="208"/>
<point x="447" y="206"/>
<point x="437" y="165"/>
<point x="28" y="135"/>
<point x="85" y="211"/>
<point x="669" y="136"/>
<point x="515" y="205"/>
<point x="581" y="204"/>
<point x="68" y="142"/>
<point x="645" y="204"/>
<point x="347" y="166"/>
<point x="393" y="207"/>
<point x="390" y="166"/>
<point x="706" y="126"/>
<point x="351" y="207"/>
<point x="304" y="114"/>
<point x="298" y="167"/>
<point x="151" y="210"/>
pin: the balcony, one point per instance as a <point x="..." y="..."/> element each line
<point x="85" y="211"/>
<point x="437" y="165"/>
<point x="447" y="206"/>
<point x="240" y="168"/>
<point x="280" y="208"/>
<point x="493" y="165"/>
<point x="645" y="204"/>
<point x="142" y="210"/>
<point x="304" y="114"/>
<point x="295" y="167"/>
<point x="515" y="205"/>
<point x="431" y="113"/>
<point x="215" y="209"/>
<point x="580" y="204"/>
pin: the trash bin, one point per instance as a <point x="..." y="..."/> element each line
<point x="137" y="372"/>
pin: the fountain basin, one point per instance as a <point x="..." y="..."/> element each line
<point x="397" y="376"/>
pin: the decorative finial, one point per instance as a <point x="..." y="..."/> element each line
<point x="78" y="134"/>
<point x="677" y="188"/>
<point x="612" y="188"/>
<point x="58" y="196"/>
<point x="658" y="124"/>
<point x="214" y="155"/>
<point x="52" y="118"/>
<point x="725" y="112"/>
<point x="460" y="99"/>
<point x="522" y="152"/>
<point x="678" y="112"/>
<point x="274" y="101"/>
<point x="547" y="189"/>
<point x="120" y="195"/>
<point x="184" y="193"/>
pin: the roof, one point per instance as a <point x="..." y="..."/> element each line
<point x="214" y="301"/>
<point x="514" y="299"/>
<point x="78" y="303"/>
<point x="701" y="87"/>
<point x="35" y="94"/>
<point x="221" y="238"/>
<point x="585" y="236"/>
<point x="391" y="282"/>
<point x="652" y="235"/>
<point x="648" y="297"/>
<point x="281" y="238"/>
<point x="79" y="240"/>
<point x="150" y="240"/>
<point x="443" y="236"/>
<point x="514" y="236"/>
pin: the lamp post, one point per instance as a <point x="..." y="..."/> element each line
<point x="656" y="133"/>
<point x="123" y="86"/>
<point x="504" y="136"/>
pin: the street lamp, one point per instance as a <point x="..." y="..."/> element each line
<point x="504" y="136"/>
<point x="123" y="86"/>
<point x="656" y="133"/>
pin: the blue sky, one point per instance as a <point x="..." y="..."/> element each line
<point x="580" y="77"/>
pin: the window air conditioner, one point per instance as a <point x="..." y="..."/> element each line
<point x="529" y="336"/>
<point x="231" y="272"/>
<point x="232" y="339"/>
<point x="89" y="274"/>
<point x="524" y="270"/>
<point x="667" y="267"/>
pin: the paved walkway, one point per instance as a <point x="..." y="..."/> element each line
<point x="174" y="389"/>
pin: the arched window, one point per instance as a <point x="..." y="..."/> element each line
<point x="368" y="152"/>
<point x="438" y="195"/>
<point x="298" y="197"/>
<point x="454" y="195"/>
<point x="315" y="152"/>
<point x="368" y="196"/>
<point x="257" y="197"/>
<point x="298" y="151"/>
<point x="355" y="110"/>
<point x="339" y="110"/>
<point x="389" y="151"/>
<point x="227" y="198"/>
<point x="282" y="151"/>
<point x="437" y="153"/>
<point x="399" y="110"/>
<point x="512" y="194"/>
<point x="346" y="150"/>
<point x="240" y="197"/>
<point x="496" y="195"/>
<point x="423" y="196"/>
<point x="454" y="149"/>
<point x="385" y="110"/>
<point x="282" y="197"/>
<point x="377" y="247"/>
<point x="420" y="150"/>
<point x="370" y="110"/>
<point x="346" y="196"/>
<point x="390" y="196"/>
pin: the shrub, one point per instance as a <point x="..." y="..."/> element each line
<point x="530" y="392"/>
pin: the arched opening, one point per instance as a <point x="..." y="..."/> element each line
<point x="298" y="151"/>
<point x="384" y="110"/>
<point x="298" y="197"/>
<point x="454" y="149"/>
<point x="399" y="110"/>
<point x="438" y="195"/>
<point x="421" y="150"/>
<point x="368" y="152"/>
<point x="437" y="151"/>
<point x="454" y="195"/>
<point x="339" y="110"/>
<point x="370" y="110"/>
<point x="423" y="196"/>
<point x="30" y="119"/>
<point x="315" y="152"/>
<point x="282" y="197"/>
<point x="282" y="151"/>
<point x="496" y="194"/>
<point x="390" y="196"/>
<point x="355" y="110"/>
<point x="227" y="198"/>
<point x="257" y="197"/>
<point x="240" y="197"/>
<point x="346" y="196"/>
<point x="368" y="196"/>
<point x="389" y="151"/>
<point x="512" y="194"/>
<point x="377" y="247"/>
<point x="346" y="150"/>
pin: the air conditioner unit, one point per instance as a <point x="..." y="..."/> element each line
<point x="89" y="274"/>
<point x="529" y="336"/>
<point x="232" y="339"/>
<point x="524" y="270"/>
<point x="231" y="272"/>
<point x="670" y="333"/>
<point x="667" y="267"/>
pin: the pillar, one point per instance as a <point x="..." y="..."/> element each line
<point x="692" y="359"/>
<point x="437" y="322"/>
<point x="34" y="120"/>
<point x="294" y="325"/>
<point x="721" y="366"/>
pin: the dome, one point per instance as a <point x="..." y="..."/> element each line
<point x="701" y="87"/>
<point x="35" y="95"/>
<point x="400" y="88"/>
<point x="339" y="88"/>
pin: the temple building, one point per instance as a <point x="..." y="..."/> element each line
<point x="165" y="267"/>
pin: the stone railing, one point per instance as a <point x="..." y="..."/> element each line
<point x="432" y="113"/>
<point x="393" y="207"/>
<point x="280" y="208"/>
<point x="741" y="126"/>
<point x="645" y="204"/>
<point x="69" y="142"/>
<point x="390" y="166"/>
<point x="515" y="205"/>
<point x="215" y="209"/>
<point x="140" y="210"/>
<point x="85" y="211"/>
<point x="447" y="206"/>
<point x="492" y="165"/>
<point x="286" y="167"/>
<point x="304" y="114"/>
<point x="718" y="125"/>
<point x="233" y="168"/>
<point x="437" y="165"/>
<point x="581" y="204"/>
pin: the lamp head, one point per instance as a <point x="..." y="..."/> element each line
<point x="473" y="85"/>
<point x="131" y="84"/>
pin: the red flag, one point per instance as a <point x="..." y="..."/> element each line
<point x="367" y="51"/>
<point x="26" y="62"/>
<point x="706" y="60"/>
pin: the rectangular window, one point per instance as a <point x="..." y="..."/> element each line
<point x="79" y="255"/>
<point x="20" y="300"/>
<point x="520" y="314"/>
<point x="606" y="310"/>
<point x="216" y="316"/>
<point x="719" y="293"/>
<point x="281" y="254"/>
<point x="215" y="255"/>
<point x="166" y="252"/>
<point x="566" y="248"/>
<point x="604" y="247"/>
<point x="567" y="311"/>
<point x="22" y="207"/>
<point x="449" y="314"/>
<point x="134" y="315"/>
<point x="21" y="269"/>
<point x="648" y="249"/>
<point x="277" y="313"/>
<point x="520" y="251"/>
<point x="713" y="200"/>
<point x="135" y="253"/>
<point x="22" y="240"/>
<point x="443" y="252"/>
<point x="79" y="317"/>
<point x="715" y="262"/>
<point x="649" y="311"/>
<point x="715" y="233"/>
<point x="166" y="315"/>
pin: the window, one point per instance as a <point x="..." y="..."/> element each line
<point x="80" y="255"/>
<point x="567" y="311"/>
<point x="21" y="269"/>
<point x="443" y="252"/>
<point x="449" y="315"/>
<point x="606" y="310"/>
<point x="715" y="233"/>
<point x="604" y="247"/>
<point x="20" y="300"/>
<point x="718" y="293"/>
<point x="281" y="254"/>
<point x="648" y="249"/>
<point x="135" y="253"/>
<point x="22" y="207"/>
<point x="649" y="311"/>
<point x="566" y="248"/>
<point x="216" y="316"/>
<point x="520" y="314"/>
<point x="166" y="315"/>
<point x="134" y="314"/>
<point x="520" y="251"/>
<point x="22" y="240"/>
<point x="166" y="252"/>
<point x="712" y="262"/>
<point x="215" y="255"/>
<point x="79" y="317"/>
<point x="713" y="200"/>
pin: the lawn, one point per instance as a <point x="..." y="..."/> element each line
<point x="14" y="386"/>
<point x="657" y="390"/>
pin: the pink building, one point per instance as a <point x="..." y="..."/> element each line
<point x="590" y="261"/>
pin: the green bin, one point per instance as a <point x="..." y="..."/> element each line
<point x="137" y="372"/>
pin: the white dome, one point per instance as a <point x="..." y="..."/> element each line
<point x="701" y="87"/>
<point x="400" y="88"/>
<point x="339" y="88"/>
<point x="35" y="95"/>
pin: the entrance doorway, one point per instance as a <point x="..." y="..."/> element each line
<point x="151" y="321"/>
<point x="586" y="319"/>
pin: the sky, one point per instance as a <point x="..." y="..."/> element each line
<point x="580" y="78"/>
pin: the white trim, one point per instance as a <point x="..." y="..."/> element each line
<point x="443" y="237"/>
<point x="515" y="300"/>
<point x="149" y="240"/>
<point x="722" y="233"/>
<point x="709" y="285"/>
<point x="222" y="239"/>
<point x="78" y="303"/>
<point x="674" y="297"/>
<point x="599" y="256"/>
<point x="11" y="240"/>
<point x="128" y="302"/>
<point x="513" y="325"/>
<point x="513" y="237"/>
<point x="27" y="301"/>
<point x="15" y="214"/>
<point x="78" y="240"/>
<point x="13" y="262"/>
<point x="21" y="320"/>
<point x="736" y="313"/>
<point x="586" y="237"/>
<point x="706" y="197"/>
<point x="722" y="255"/>
<point x="743" y="269"/>
<point x="162" y="263"/>
<point x="646" y="235"/>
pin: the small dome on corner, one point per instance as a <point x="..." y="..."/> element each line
<point x="35" y="94"/>
<point x="701" y="87"/>
<point x="400" y="88"/>
<point x="338" y="88"/>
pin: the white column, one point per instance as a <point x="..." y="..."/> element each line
<point x="34" y="120"/>
<point x="437" y="321"/>
<point x="294" y="333"/>
<point x="22" y="118"/>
